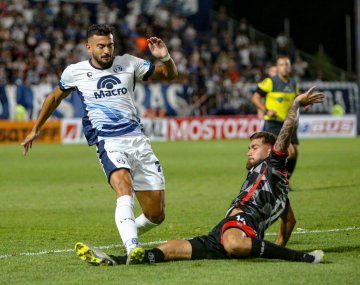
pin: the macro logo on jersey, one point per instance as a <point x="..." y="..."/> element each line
<point x="108" y="82"/>
<point x="117" y="68"/>
<point x="109" y="85"/>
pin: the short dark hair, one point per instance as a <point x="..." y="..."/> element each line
<point x="280" y="56"/>
<point x="267" y="138"/>
<point x="99" y="30"/>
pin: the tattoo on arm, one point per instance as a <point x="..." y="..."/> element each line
<point x="283" y="140"/>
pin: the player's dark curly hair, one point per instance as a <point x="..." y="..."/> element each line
<point x="99" y="30"/>
<point x="268" y="138"/>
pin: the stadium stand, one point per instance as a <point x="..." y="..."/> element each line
<point x="39" y="39"/>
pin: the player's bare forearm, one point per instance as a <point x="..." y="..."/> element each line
<point x="49" y="106"/>
<point x="171" y="69"/>
<point x="165" y="71"/>
<point x="287" y="224"/>
<point x="283" y="140"/>
<point x="257" y="101"/>
<point x="284" y="233"/>
<point x="303" y="100"/>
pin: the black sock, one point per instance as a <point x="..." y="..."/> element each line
<point x="119" y="259"/>
<point x="290" y="166"/>
<point x="265" y="249"/>
<point x="154" y="255"/>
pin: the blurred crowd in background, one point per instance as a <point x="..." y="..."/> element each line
<point x="39" y="39"/>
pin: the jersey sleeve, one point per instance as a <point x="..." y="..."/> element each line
<point x="277" y="160"/>
<point x="265" y="87"/>
<point x="143" y="68"/>
<point x="67" y="81"/>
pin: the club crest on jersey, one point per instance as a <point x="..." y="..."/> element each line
<point x="287" y="89"/>
<point x="117" y="68"/>
<point x="109" y="86"/>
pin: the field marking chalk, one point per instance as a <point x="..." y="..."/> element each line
<point x="298" y="231"/>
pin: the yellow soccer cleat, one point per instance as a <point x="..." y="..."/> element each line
<point x="136" y="256"/>
<point x="93" y="256"/>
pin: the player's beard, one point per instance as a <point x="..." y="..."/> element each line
<point x="249" y="164"/>
<point x="252" y="163"/>
<point x="104" y="62"/>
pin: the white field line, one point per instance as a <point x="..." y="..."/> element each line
<point x="298" y="231"/>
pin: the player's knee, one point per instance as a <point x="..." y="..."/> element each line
<point x="230" y="243"/>
<point x="234" y="245"/>
<point x="156" y="217"/>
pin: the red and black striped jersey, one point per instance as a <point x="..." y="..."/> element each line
<point x="264" y="192"/>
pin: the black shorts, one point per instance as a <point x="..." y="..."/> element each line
<point x="210" y="246"/>
<point x="274" y="127"/>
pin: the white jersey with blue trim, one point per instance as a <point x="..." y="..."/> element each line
<point x="107" y="95"/>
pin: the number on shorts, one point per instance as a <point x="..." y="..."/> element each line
<point x="157" y="163"/>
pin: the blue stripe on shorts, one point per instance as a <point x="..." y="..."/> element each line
<point x="107" y="164"/>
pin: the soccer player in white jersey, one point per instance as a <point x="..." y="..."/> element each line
<point x="105" y="83"/>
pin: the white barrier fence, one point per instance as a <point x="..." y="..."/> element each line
<point x="215" y="128"/>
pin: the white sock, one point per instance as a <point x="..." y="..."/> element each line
<point x="125" y="222"/>
<point x="143" y="224"/>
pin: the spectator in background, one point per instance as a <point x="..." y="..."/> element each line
<point x="300" y="67"/>
<point x="283" y="43"/>
<point x="38" y="39"/>
<point x="272" y="71"/>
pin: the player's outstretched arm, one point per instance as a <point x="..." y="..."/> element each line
<point x="50" y="104"/>
<point x="167" y="70"/>
<point x="287" y="224"/>
<point x="306" y="99"/>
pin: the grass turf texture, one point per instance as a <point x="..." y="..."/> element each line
<point x="58" y="195"/>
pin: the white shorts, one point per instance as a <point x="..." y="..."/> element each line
<point x="133" y="153"/>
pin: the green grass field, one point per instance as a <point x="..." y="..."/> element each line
<point x="58" y="195"/>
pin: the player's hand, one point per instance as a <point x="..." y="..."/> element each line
<point x="157" y="47"/>
<point x="260" y="115"/>
<point x="310" y="97"/>
<point x="271" y="113"/>
<point x="27" y="143"/>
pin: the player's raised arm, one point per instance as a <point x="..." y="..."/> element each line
<point x="50" y="104"/>
<point x="167" y="70"/>
<point x="306" y="99"/>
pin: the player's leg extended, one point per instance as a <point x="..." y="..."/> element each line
<point x="236" y="243"/>
<point x="121" y="181"/>
<point x="149" y="185"/>
<point x="153" y="206"/>
<point x="176" y="250"/>
<point x="171" y="250"/>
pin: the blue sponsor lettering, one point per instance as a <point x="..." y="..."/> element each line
<point x="108" y="93"/>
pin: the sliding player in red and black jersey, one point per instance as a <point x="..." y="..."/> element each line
<point x="262" y="200"/>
